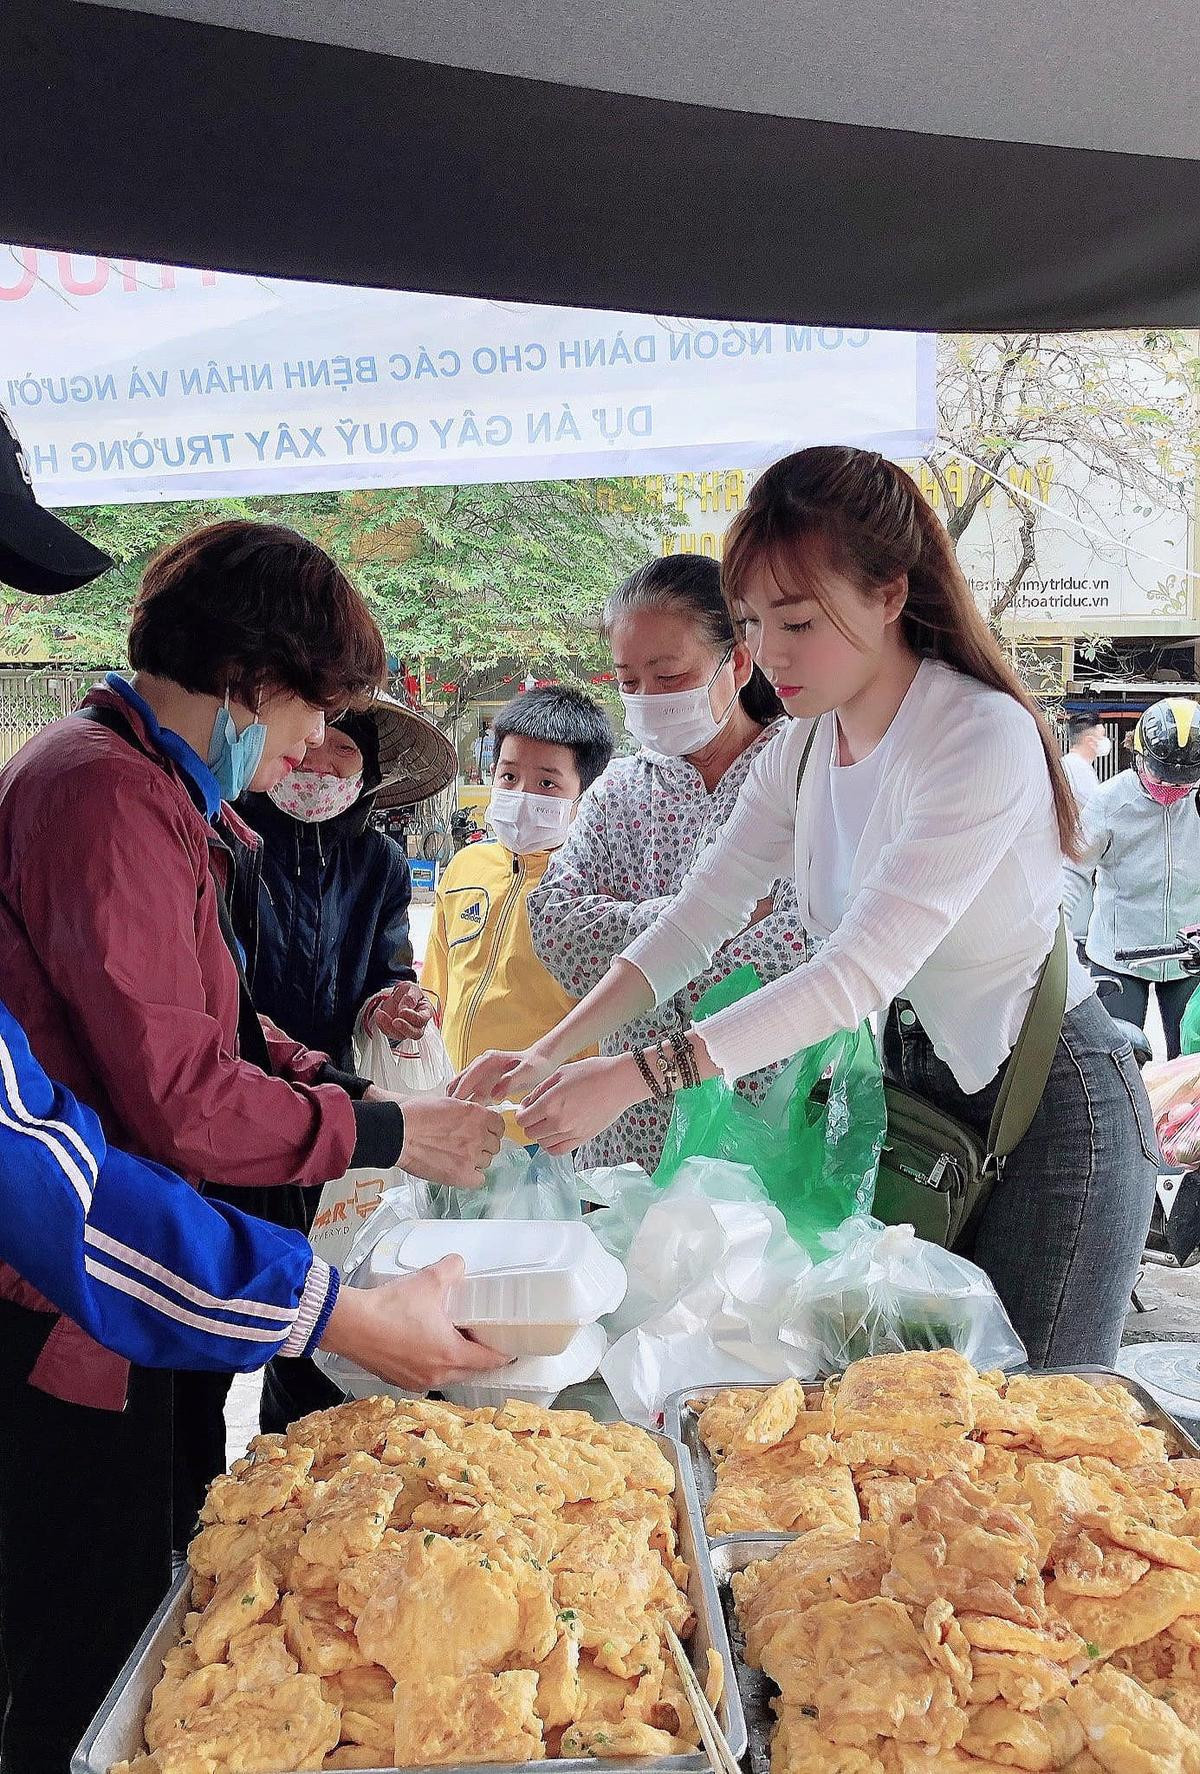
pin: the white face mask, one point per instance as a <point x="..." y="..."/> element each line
<point x="1103" y="746"/>
<point x="678" y="724"/>
<point x="528" y="823"/>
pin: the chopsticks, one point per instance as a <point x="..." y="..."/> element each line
<point x="716" y="1747"/>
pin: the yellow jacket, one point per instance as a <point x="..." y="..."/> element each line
<point x="480" y="971"/>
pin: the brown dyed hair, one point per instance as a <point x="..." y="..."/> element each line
<point x="252" y="608"/>
<point x="878" y="528"/>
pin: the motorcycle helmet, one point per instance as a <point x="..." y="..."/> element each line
<point x="1166" y="741"/>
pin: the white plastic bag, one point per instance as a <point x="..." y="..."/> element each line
<point x="396" y="1205"/>
<point x="415" y="1068"/>
<point x="522" y="1188"/>
<point x="348" y="1201"/>
<point x="884" y="1290"/>
<point x="711" y="1269"/>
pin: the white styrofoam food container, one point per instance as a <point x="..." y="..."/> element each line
<point x="530" y="1285"/>
<point x="536" y="1379"/>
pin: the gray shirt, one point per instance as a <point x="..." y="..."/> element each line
<point x="1146" y="862"/>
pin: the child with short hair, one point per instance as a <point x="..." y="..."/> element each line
<point x="480" y="973"/>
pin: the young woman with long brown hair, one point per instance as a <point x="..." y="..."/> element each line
<point x="926" y="843"/>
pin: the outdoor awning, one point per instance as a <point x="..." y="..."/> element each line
<point x="847" y="161"/>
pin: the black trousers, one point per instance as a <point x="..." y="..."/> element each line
<point x="199" y="1444"/>
<point x="1132" y="1002"/>
<point x="291" y="1387"/>
<point x="85" y="1544"/>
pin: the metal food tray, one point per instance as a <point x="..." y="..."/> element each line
<point x="733" y="1552"/>
<point x="115" y="1734"/>
<point x="682" y="1422"/>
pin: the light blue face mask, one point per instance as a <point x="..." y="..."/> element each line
<point x="233" y="757"/>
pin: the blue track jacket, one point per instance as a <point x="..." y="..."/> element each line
<point x="131" y="1252"/>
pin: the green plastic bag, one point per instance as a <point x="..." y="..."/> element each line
<point x="814" y="1140"/>
<point x="1189" y="1028"/>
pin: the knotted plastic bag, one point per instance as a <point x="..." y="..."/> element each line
<point x="1174" y="1091"/>
<point x="883" y="1290"/>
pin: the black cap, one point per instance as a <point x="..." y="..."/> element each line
<point x="38" y="552"/>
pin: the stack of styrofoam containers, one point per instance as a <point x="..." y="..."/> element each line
<point x="533" y="1289"/>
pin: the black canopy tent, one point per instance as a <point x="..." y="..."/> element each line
<point x="846" y="161"/>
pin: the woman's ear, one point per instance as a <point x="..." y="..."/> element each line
<point x="742" y="661"/>
<point x="895" y="597"/>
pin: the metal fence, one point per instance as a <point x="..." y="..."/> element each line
<point x="32" y="697"/>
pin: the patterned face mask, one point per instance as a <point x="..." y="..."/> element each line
<point x="1167" y="794"/>
<point x="311" y="797"/>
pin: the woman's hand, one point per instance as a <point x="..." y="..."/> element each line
<point x="403" y="1014"/>
<point x="402" y="1331"/>
<point x="579" y="1101"/>
<point x="502" y="1077"/>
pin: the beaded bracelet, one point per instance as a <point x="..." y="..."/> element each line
<point x="660" y="1090"/>
<point x="686" y="1058"/>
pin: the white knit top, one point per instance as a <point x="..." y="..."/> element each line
<point x="953" y="891"/>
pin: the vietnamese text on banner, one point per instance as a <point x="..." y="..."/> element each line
<point x="136" y="382"/>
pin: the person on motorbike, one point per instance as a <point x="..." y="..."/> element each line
<point x="1141" y="847"/>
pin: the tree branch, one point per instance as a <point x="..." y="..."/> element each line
<point x="1028" y="532"/>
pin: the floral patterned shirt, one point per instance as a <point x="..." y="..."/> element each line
<point x="639" y="830"/>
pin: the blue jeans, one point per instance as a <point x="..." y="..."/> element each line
<point x="1063" y="1230"/>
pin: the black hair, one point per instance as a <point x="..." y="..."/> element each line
<point x="1079" y="726"/>
<point x="558" y="715"/>
<point x="691" y="585"/>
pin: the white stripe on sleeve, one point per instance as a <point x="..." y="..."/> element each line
<point x="215" y="1327"/>
<point x="57" y="1136"/>
<point x="136" y="1259"/>
<point x="316" y="1292"/>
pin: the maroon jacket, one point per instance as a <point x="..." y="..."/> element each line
<point x="113" y="960"/>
